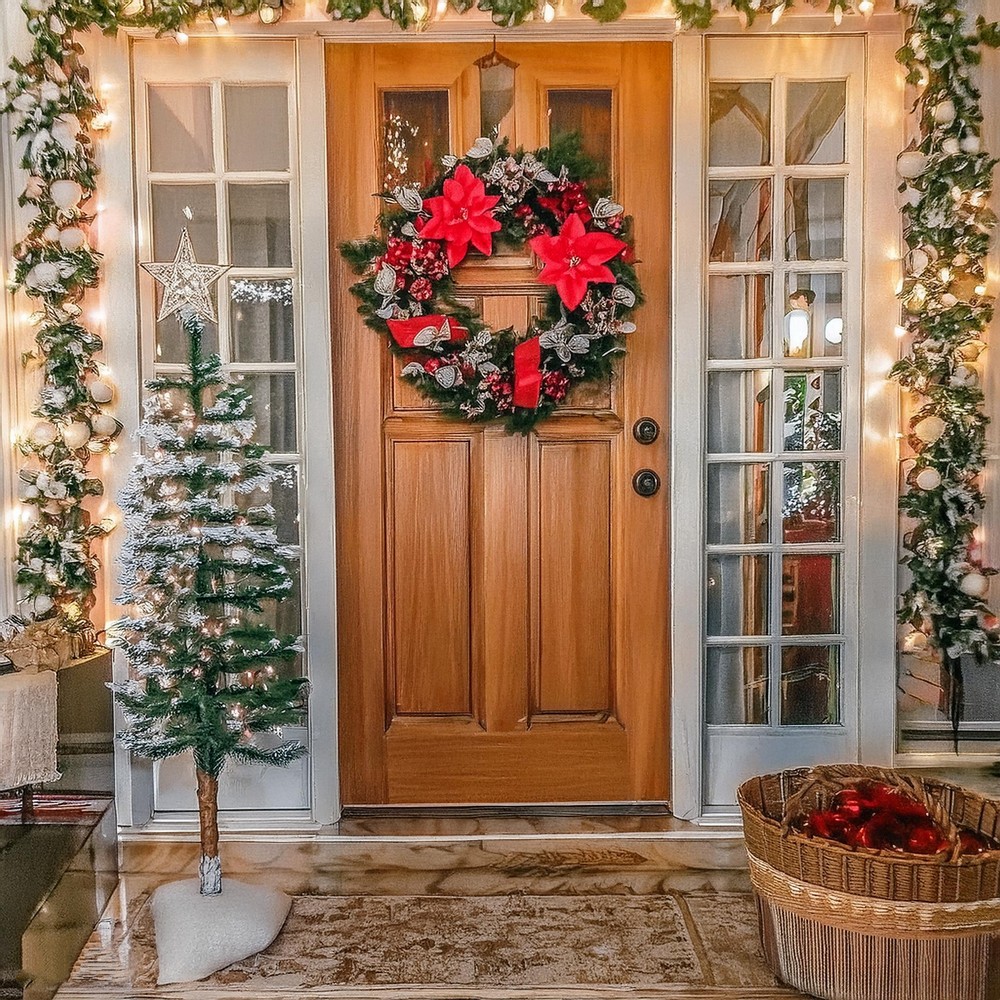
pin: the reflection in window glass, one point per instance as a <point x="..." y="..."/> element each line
<point x="739" y="132"/>
<point x="810" y="508"/>
<point x="810" y="685"/>
<point x="172" y="341"/>
<point x="816" y="121"/>
<point x="739" y="311"/>
<point x="739" y="219"/>
<point x="285" y="617"/>
<point x="738" y="503"/>
<point x="180" y="206"/>
<point x="812" y="411"/>
<point x="283" y="496"/>
<point x="262" y="319"/>
<point x="588" y="115"/>
<point x="814" y="218"/>
<point x="260" y="225"/>
<point x="814" y="315"/>
<point x="736" y="602"/>
<point x="739" y="408"/>
<point x="274" y="406"/>
<point x="180" y="129"/>
<point x="810" y="594"/>
<point x="256" y="127"/>
<point x="416" y="133"/>
<point x="736" y="682"/>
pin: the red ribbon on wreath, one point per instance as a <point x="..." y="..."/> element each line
<point x="426" y="331"/>
<point x="527" y="373"/>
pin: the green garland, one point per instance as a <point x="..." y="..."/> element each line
<point x="943" y="199"/>
<point x="944" y="194"/>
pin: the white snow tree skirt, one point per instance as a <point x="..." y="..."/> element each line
<point x="28" y="729"/>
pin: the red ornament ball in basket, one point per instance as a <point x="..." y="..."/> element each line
<point x="875" y="817"/>
<point x="537" y="201"/>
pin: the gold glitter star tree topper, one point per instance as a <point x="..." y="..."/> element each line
<point x="186" y="283"/>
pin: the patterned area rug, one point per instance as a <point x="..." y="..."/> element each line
<point x="583" y="946"/>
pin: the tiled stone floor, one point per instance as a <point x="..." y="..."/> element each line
<point x="464" y="907"/>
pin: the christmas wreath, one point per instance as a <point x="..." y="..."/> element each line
<point x="489" y="198"/>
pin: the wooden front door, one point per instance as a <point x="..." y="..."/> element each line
<point x="502" y="600"/>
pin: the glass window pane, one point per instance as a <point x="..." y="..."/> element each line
<point x="814" y="315"/>
<point x="739" y="316"/>
<point x="176" y="206"/>
<point x="739" y="409"/>
<point x="256" y="127"/>
<point x="737" y="595"/>
<point x="810" y="686"/>
<point x="812" y="411"/>
<point x="274" y="407"/>
<point x="283" y="496"/>
<point x="262" y="319"/>
<point x="587" y="114"/>
<point x="736" y="682"/>
<point x="810" y="594"/>
<point x="172" y="341"/>
<point x="739" y="220"/>
<point x="738" y="503"/>
<point x="285" y="617"/>
<point x="816" y="121"/>
<point x="416" y="133"/>
<point x="739" y="133"/>
<point x="814" y="218"/>
<point x="811" y="502"/>
<point x="260" y="225"/>
<point x="180" y="129"/>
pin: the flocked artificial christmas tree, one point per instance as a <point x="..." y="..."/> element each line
<point x="200" y="567"/>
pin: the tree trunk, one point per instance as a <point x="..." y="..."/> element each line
<point x="210" y="866"/>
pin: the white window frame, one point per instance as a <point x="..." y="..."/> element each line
<point x="870" y="698"/>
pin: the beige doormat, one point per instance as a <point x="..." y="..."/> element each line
<point x="583" y="947"/>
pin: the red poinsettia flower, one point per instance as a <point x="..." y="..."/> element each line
<point x="575" y="258"/>
<point x="463" y="214"/>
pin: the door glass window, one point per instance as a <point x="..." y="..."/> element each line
<point x="415" y="134"/>
<point x="587" y="114"/>
<point x="774" y="520"/>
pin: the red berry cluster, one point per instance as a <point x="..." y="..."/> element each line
<point x="555" y="385"/>
<point x="417" y="264"/>
<point x="875" y="816"/>
<point x="501" y="388"/>
<point x="566" y="197"/>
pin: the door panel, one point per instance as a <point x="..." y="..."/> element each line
<point x="502" y="600"/>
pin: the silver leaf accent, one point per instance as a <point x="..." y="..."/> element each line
<point x="626" y="327"/>
<point x="624" y="295"/>
<point x="448" y="376"/>
<point x="408" y="198"/>
<point x="385" y="280"/>
<point x="409" y="229"/>
<point x="413" y="369"/>
<point x="431" y="336"/>
<point x="607" y="209"/>
<point x="448" y="161"/>
<point x="480" y="149"/>
<point x="386" y="310"/>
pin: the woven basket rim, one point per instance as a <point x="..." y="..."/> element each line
<point x="835" y="847"/>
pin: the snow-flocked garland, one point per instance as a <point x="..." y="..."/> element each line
<point x="943" y="200"/>
<point x="946" y="179"/>
<point x="491" y="197"/>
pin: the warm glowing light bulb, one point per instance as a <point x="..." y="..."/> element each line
<point x="548" y="13"/>
<point x="901" y="331"/>
<point x="866" y="7"/>
<point x="442" y="8"/>
<point x="777" y="12"/>
<point x="220" y="20"/>
<point x="980" y="289"/>
<point x="945" y="274"/>
<point x="838" y="15"/>
<point x="181" y="37"/>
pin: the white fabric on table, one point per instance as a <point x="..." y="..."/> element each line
<point x="28" y="730"/>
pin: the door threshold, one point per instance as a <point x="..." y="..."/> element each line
<point x="506" y="811"/>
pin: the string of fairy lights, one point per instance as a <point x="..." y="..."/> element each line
<point x="945" y="293"/>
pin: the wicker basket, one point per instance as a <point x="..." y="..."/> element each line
<point x="865" y="925"/>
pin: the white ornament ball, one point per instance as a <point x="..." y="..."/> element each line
<point x="76" y="434"/>
<point x="914" y="642"/>
<point x="103" y="424"/>
<point x="25" y="102"/>
<point x="43" y="433"/>
<point x="42" y="604"/>
<point x="971" y="144"/>
<point x="910" y="164"/>
<point x="65" y="129"/>
<point x="42" y="277"/>
<point x="948" y="300"/>
<point x="101" y="391"/>
<point x="944" y="112"/>
<point x="930" y="428"/>
<point x="34" y="187"/>
<point x="72" y="238"/>
<point x="66" y="193"/>
<point x="965" y="376"/>
<point x="36" y="6"/>
<point x="919" y="261"/>
<point x="971" y="350"/>
<point x="974" y="584"/>
<point x="950" y="146"/>
<point x="51" y="233"/>
<point x="928" y="479"/>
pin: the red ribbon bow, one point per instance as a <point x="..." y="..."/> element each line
<point x="527" y="374"/>
<point x="406" y="332"/>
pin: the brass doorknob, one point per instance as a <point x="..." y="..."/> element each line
<point x="646" y="483"/>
